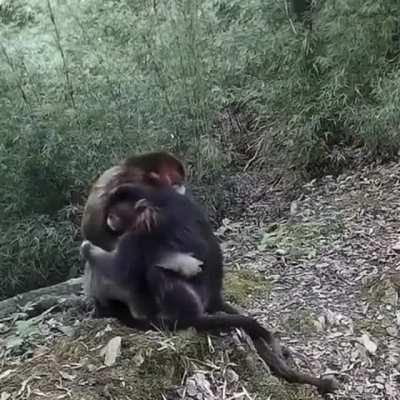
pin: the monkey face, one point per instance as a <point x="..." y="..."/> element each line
<point x="137" y="214"/>
<point x="146" y="219"/>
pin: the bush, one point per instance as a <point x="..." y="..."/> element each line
<point x="36" y="252"/>
<point x="85" y="83"/>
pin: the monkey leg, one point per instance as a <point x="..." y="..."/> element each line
<point x="101" y="310"/>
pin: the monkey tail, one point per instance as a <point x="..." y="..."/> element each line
<point x="265" y="345"/>
<point x="264" y="342"/>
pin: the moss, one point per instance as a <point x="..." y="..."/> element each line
<point x="301" y="321"/>
<point x="241" y="285"/>
<point x="375" y="327"/>
<point x="384" y="290"/>
<point x="302" y="238"/>
<point x="277" y="390"/>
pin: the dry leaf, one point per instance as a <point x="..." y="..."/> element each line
<point x="392" y="331"/>
<point x="293" y="208"/>
<point x="138" y="359"/>
<point x="6" y="373"/>
<point x="368" y="343"/>
<point x="396" y="247"/>
<point x="67" y="376"/>
<point x="111" y="351"/>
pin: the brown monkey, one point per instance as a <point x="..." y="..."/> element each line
<point x="104" y="228"/>
<point x="105" y="288"/>
<point x="160" y="297"/>
<point x="151" y="169"/>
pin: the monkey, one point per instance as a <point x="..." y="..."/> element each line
<point x="99" y="282"/>
<point x="122" y="215"/>
<point x="157" y="297"/>
<point x="152" y="169"/>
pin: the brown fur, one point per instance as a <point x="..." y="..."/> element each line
<point x="153" y="169"/>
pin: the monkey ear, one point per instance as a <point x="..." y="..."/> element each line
<point x="168" y="170"/>
<point x="165" y="179"/>
<point x="114" y="222"/>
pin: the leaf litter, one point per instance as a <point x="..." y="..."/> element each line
<point x="332" y="262"/>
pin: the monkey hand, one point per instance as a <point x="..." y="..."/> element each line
<point x="189" y="266"/>
<point x="85" y="249"/>
<point x="182" y="263"/>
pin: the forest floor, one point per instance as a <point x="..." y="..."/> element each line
<point x="325" y="276"/>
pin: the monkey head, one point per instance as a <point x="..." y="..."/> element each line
<point x="130" y="208"/>
<point x="154" y="170"/>
<point x="158" y="168"/>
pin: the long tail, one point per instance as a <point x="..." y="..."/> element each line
<point x="264" y="343"/>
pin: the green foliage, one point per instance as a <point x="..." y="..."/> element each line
<point x="16" y="12"/>
<point x="85" y="83"/>
<point x="35" y="252"/>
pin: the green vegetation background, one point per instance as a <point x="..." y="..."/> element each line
<point x="85" y="82"/>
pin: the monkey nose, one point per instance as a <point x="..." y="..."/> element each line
<point x="142" y="203"/>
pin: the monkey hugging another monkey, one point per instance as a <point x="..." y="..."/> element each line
<point x="152" y="259"/>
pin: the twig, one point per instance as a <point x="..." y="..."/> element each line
<point x="290" y="19"/>
<point x="70" y="88"/>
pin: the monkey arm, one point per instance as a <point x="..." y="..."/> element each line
<point x="101" y="260"/>
<point x="104" y="261"/>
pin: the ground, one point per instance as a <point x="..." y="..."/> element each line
<point x="325" y="276"/>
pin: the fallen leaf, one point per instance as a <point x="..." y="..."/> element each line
<point x="6" y="373"/>
<point x="392" y="331"/>
<point x="367" y="342"/>
<point x="111" y="351"/>
<point x="231" y="376"/>
<point x="320" y="323"/>
<point x="396" y="247"/>
<point x="294" y="207"/>
<point x="138" y="359"/>
<point x="67" y="376"/>
<point x="13" y="342"/>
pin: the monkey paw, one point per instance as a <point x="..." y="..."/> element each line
<point x="189" y="266"/>
<point x="182" y="263"/>
<point x="85" y="249"/>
